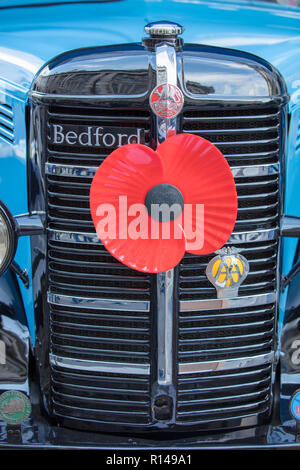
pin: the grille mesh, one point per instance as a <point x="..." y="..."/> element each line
<point x="100" y="335"/>
<point x="225" y="334"/>
<point x="249" y="137"/>
<point x="230" y="395"/>
<point x="101" y="397"/>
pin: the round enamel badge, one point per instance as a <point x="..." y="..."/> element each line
<point x="15" y="407"/>
<point x="295" y="405"/>
<point x="166" y="100"/>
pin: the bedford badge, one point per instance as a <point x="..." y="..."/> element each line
<point x="166" y="100"/>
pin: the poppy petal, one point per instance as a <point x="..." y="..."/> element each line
<point x="117" y="197"/>
<point x="129" y="171"/>
<point x="203" y="176"/>
<point x="149" y="255"/>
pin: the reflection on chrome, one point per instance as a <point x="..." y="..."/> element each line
<point x="238" y="302"/>
<point x="189" y="368"/>
<point x="99" y="366"/>
<point x="98" y="303"/>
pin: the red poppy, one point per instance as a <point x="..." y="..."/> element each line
<point x="185" y="170"/>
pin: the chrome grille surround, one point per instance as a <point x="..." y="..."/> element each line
<point x="86" y="286"/>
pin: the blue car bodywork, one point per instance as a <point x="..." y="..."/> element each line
<point x="32" y="35"/>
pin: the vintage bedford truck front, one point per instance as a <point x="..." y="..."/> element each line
<point x="94" y="353"/>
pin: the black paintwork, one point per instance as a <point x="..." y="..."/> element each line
<point x="15" y="369"/>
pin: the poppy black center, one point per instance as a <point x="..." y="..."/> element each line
<point x="164" y="202"/>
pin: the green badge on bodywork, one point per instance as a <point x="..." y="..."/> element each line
<point x="15" y="407"/>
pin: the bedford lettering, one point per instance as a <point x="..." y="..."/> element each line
<point x="93" y="136"/>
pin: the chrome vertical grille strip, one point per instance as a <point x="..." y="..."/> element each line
<point x="165" y="320"/>
<point x="166" y="72"/>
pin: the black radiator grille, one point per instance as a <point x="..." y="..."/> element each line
<point x="245" y="139"/>
<point x="249" y="137"/>
<point x="101" y="397"/>
<point x="231" y="395"/>
<point x="225" y="334"/>
<point x="100" y="335"/>
<point x="89" y="270"/>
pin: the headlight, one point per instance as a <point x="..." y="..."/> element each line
<point x="8" y="238"/>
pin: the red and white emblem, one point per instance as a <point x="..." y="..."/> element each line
<point x="166" y="100"/>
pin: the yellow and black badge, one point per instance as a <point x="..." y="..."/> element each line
<point x="227" y="271"/>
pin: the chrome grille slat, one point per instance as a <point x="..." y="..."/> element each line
<point x="224" y="399"/>
<point x="105" y="390"/>
<point x="98" y="327"/>
<point x="224" y="339"/>
<point x="229" y="316"/>
<point x="222" y="353"/>
<point x="98" y="338"/>
<point x="79" y="350"/>
<point x="195" y="329"/>
<point x="56" y="172"/>
<point x="236" y="130"/>
<point x="225" y="389"/>
<point x="103" y="401"/>
<point x="139" y="418"/>
<point x="232" y="409"/>
<point x="231" y="118"/>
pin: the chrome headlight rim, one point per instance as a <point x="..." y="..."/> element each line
<point x="12" y="236"/>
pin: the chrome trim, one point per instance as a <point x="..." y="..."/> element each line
<point x="236" y="131"/>
<point x="91" y="117"/>
<point x="280" y="100"/>
<point x="232" y="118"/>
<point x="89" y="171"/>
<point x="70" y="170"/>
<point x="220" y="304"/>
<point x="235" y="238"/>
<point x="255" y="170"/>
<point x="253" y="236"/>
<point x="166" y="72"/>
<point x="196" y="367"/>
<point x="165" y="284"/>
<point x="98" y="303"/>
<point x="38" y="95"/>
<point x="73" y="237"/>
<point x="164" y="28"/>
<point x="99" y="366"/>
